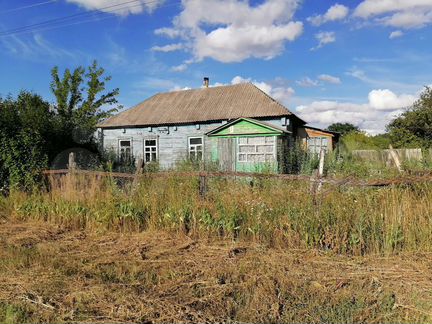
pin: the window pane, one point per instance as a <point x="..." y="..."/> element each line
<point x="196" y="140"/>
<point x="256" y="140"/>
<point x="125" y="143"/>
<point x="242" y="157"/>
<point x="265" y="148"/>
<point x="154" y="158"/>
<point x="150" y="142"/>
<point x="247" y="148"/>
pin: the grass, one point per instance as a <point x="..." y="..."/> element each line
<point x="154" y="276"/>
<point x="276" y="213"/>
<point x="251" y="250"/>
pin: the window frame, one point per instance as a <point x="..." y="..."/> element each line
<point x="150" y="146"/>
<point x="130" y="140"/>
<point x="255" y="152"/>
<point x="189" y="145"/>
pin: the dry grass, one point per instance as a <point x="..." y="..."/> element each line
<point x="90" y="250"/>
<point x="49" y="273"/>
<point x="277" y="213"/>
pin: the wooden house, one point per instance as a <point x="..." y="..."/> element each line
<point x="239" y="127"/>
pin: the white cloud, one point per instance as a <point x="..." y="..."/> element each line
<point x="279" y="92"/>
<point x="384" y="99"/>
<point x="329" y="79"/>
<point x="168" y="48"/>
<point x="179" y="68"/>
<point x="396" y="34"/>
<point x="397" y="13"/>
<point x="381" y="107"/>
<point x="324" y="38"/>
<point x="37" y="48"/>
<point x="119" y="7"/>
<point x="234" y="30"/>
<point x="335" y="12"/>
<point x="167" y="32"/>
<point x="307" y="82"/>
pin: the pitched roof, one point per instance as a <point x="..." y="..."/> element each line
<point x="198" y="105"/>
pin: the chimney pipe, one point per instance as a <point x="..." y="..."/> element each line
<point x="206" y="82"/>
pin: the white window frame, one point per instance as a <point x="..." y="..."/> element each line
<point x="195" y="145"/>
<point x="320" y="146"/>
<point x="150" y="146"/>
<point x="130" y="140"/>
<point x="255" y="152"/>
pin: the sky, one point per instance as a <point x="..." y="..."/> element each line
<point x="362" y="62"/>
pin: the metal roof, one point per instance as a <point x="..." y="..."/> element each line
<point x="199" y="105"/>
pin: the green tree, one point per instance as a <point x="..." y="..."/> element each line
<point x="343" y="128"/>
<point x="81" y="100"/>
<point x="26" y="130"/>
<point x="414" y="127"/>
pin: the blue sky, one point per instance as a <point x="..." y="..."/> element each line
<point x="328" y="61"/>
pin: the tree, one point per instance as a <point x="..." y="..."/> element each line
<point x="414" y="127"/>
<point x="80" y="101"/>
<point x="26" y="125"/>
<point x="343" y="128"/>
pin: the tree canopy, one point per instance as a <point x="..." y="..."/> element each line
<point x="414" y="127"/>
<point x="81" y="100"/>
<point x="343" y="128"/>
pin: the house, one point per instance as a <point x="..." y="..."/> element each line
<point x="239" y="127"/>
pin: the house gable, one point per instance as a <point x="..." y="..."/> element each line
<point x="246" y="127"/>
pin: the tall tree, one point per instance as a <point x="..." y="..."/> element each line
<point x="81" y="100"/>
<point x="343" y="128"/>
<point x="414" y="127"/>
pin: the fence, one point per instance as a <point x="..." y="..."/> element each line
<point x="384" y="157"/>
<point x="316" y="181"/>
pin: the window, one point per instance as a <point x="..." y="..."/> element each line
<point x="256" y="149"/>
<point x="315" y="144"/>
<point x="125" y="150"/>
<point x="150" y="150"/>
<point x="196" y="148"/>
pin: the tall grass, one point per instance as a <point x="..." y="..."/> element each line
<point x="273" y="212"/>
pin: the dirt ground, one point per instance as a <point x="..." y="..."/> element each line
<point x="51" y="274"/>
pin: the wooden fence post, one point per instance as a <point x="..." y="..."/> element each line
<point x="202" y="186"/>
<point x="395" y="158"/>
<point x="71" y="162"/>
<point x="321" y="168"/>
<point x="138" y="172"/>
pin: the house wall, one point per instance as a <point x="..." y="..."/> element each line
<point x="172" y="140"/>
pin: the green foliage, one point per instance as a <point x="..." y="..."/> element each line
<point x="362" y="141"/>
<point x="80" y="101"/>
<point x="414" y="127"/>
<point x="343" y="128"/>
<point x="26" y="128"/>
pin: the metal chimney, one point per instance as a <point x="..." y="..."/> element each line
<point x="206" y="82"/>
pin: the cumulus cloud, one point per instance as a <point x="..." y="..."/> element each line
<point x="329" y="79"/>
<point x="168" y="48"/>
<point x="372" y="116"/>
<point x="335" y="12"/>
<point x="396" y="13"/>
<point x="179" y="68"/>
<point x="396" y="34"/>
<point x="279" y="92"/>
<point x="234" y="30"/>
<point x="119" y="7"/>
<point x="324" y="38"/>
<point x="307" y="82"/>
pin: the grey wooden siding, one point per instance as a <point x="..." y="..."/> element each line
<point x="172" y="140"/>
